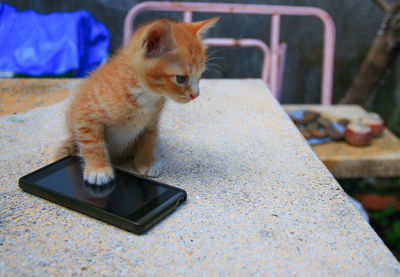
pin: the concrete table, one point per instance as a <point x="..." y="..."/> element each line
<point x="260" y="202"/>
<point x="380" y="159"/>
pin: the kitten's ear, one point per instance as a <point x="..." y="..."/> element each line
<point x="201" y="27"/>
<point x="159" y="39"/>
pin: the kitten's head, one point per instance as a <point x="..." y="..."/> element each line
<point x="172" y="57"/>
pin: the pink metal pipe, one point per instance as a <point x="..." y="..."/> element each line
<point x="187" y="16"/>
<point x="275" y="54"/>
<point x="282" y="57"/>
<point x="329" y="38"/>
<point x="221" y="42"/>
<point x="329" y="53"/>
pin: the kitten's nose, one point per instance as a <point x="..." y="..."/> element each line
<point x="194" y="95"/>
<point x="195" y="89"/>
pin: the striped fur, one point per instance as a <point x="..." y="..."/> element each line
<point x="116" y="110"/>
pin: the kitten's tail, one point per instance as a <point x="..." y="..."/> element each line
<point x="68" y="147"/>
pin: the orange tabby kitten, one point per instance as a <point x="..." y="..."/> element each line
<point x="116" y="110"/>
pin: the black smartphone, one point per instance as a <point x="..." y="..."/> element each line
<point x="131" y="202"/>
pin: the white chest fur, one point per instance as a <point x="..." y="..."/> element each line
<point x="146" y="100"/>
<point x="118" y="137"/>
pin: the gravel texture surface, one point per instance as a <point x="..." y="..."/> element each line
<point x="260" y="202"/>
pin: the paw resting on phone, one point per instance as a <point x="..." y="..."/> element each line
<point x="99" y="176"/>
<point x="153" y="171"/>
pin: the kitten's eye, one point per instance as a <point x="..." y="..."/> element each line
<point x="181" y="79"/>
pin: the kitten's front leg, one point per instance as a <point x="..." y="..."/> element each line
<point x="93" y="148"/>
<point x="145" y="158"/>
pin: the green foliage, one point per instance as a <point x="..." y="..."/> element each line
<point x="389" y="221"/>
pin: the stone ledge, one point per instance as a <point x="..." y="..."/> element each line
<point x="260" y="202"/>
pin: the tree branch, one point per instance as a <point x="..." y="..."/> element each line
<point x="396" y="7"/>
<point x="385" y="6"/>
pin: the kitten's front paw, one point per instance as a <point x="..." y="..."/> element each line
<point x="99" y="176"/>
<point x="153" y="171"/>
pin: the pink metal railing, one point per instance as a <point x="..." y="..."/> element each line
<point x="274" y="56"/>
<point x="219" y="42"/>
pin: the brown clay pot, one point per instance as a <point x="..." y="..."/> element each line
<point x="358" y="134"/>
<point x="375" y="122"/>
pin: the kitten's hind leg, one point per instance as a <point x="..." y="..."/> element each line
<point x="145" y="159"/>
<point x="93" y="149"/>
<point x="68" y="147"/>
<point x="154" y="170"/>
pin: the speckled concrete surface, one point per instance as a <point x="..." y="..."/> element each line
<point x="21" y="95"/>
<point x="260" y="202"/>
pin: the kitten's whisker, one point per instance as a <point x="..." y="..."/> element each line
<point x="217" y="51"/>
<point x="183" y="97"/>
<point x="212" y="64"/>
<point x="214" y="58"/>
<point x="215" y="65"/>
<point x="201" y="104"/>
<point x="214" y="69"/>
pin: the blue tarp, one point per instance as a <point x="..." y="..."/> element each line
<point x="50" y="44"/>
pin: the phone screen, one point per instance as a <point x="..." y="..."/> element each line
<point x="128" y="196"/>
